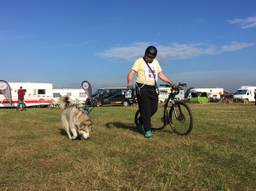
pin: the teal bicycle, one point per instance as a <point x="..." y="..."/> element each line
<point x="176" y="114"/>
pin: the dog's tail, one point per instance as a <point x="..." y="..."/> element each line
<point x="65" y="102"/>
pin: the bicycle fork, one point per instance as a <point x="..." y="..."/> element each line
<point x="178" y="112"/>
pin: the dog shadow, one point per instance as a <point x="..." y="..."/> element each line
<point x="120" y="125"/>
<point x="63" y="132"/>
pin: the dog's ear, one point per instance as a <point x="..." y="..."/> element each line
<point x="90" y="125"/>
<point x="64" y="102"/>
<point x="65" y="99"/>
<point x="87" y="123"/>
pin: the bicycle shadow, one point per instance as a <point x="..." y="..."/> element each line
<point x="117" y="124"/>
<point x="131" y="127"/>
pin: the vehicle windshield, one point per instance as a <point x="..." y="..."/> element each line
<point x="240" y="92"/>
<point x="97" y="92"/>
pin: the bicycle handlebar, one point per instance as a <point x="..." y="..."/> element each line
<point x="176" y="89"/>
<point x="182" y="84"/>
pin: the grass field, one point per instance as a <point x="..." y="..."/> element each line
<point x="219" y="154"/>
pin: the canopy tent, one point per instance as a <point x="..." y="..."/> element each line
<point x="199" y="97"/>
<point x="5" y="91"/>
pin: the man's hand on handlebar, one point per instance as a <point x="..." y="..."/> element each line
<point x="173" y="85"/>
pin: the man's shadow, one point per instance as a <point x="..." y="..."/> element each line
<point x="117" y="124"/>
<point x="132" y="127"/>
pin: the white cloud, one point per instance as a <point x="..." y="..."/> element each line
<point x="245" y="23"/>
<point x="173" y="51"/>
<point x="235" y="46"/>
<point x="125" y="53"/>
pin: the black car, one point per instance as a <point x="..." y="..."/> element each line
<point x="114" y="96"/>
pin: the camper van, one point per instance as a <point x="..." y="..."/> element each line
<point x="37" y="94"/>
<point x="76" y="96"/>
<point x="212" y="93"/>
<point x="245" y="94"/>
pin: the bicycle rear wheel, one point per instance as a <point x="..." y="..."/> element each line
<point x="181" y="120"/>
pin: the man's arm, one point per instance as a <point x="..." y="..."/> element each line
<point x="129" y="78"/>
<point x="163" y="77"/>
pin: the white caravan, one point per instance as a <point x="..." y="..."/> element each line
<point x="213" y="93"/>
<point x="37" y="94"/>
<point x="76" y="96"/>
<point x="245" y="94"/>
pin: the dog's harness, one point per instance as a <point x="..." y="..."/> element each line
<point x="87" y="109"/>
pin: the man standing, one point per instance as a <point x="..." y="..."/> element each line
<point x="21" y="94"/>
<point x="255" y="96"/>
<point x="148" y="70"/>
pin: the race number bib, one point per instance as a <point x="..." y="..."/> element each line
<point x="149" y="75"/>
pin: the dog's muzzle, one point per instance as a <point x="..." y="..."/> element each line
<point x="84" y="136"/>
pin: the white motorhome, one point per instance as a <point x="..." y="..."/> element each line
<point x="213" y="93"/>
<point x="245" y="94"/>
<point x="37" y="94"/>
<point x="76" y="96"/>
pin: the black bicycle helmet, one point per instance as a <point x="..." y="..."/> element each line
<point x="152" y="51"/>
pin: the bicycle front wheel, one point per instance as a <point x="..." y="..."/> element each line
<point x="181" y="120"/>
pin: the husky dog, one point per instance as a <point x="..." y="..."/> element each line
<point x="74" y="121"/>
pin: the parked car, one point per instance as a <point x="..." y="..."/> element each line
<point x="113" y="96"/>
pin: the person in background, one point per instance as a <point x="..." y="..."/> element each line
<point x="148" y="70"/>
<point x="255" y="96"/>
<point x="21" y="95"/>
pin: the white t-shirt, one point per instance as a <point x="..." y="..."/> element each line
<point x="144" y="74"/>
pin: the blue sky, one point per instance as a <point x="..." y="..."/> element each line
<point x="206" y="43"/>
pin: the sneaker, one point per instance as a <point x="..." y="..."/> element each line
<point x="148" y="134"/>
<point x="140" y="128"/>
